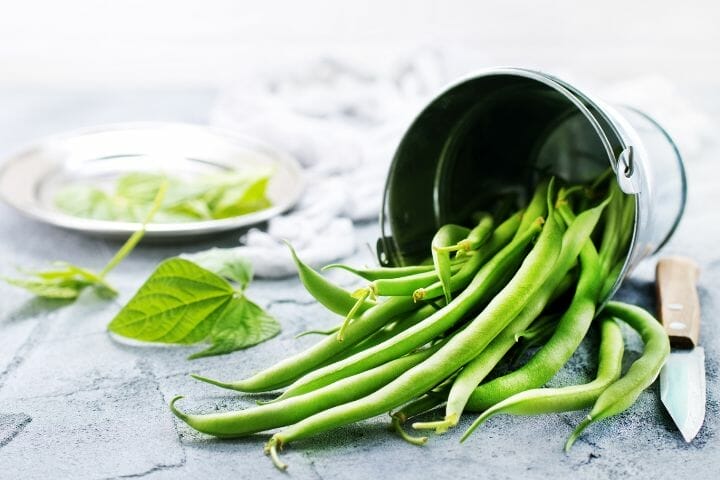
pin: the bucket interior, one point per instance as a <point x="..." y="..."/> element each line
<point x="481" y="145"/>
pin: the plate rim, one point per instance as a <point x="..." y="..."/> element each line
<point x="175" y="229"/>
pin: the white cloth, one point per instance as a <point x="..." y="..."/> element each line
<point x="343" y="122"/>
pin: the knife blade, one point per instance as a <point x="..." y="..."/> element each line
<point x="682" y="379"/>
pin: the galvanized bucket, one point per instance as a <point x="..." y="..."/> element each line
<point x="499" y="131"/>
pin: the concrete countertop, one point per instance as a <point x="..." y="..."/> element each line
<point x="75" y="404"/>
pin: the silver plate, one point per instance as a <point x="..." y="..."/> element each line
<point x="30" y="179"/>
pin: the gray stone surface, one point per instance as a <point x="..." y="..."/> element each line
<point x="75" y="403"/>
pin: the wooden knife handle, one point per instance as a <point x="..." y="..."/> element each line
<point x="678" y="301"/>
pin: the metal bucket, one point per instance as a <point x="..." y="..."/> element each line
<point x="502" y="130"/>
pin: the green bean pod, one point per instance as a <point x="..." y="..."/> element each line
<point x="540" y="330"/>
<point x="286" y="412"/>
<point x="619" y="396"/>
<point x="392" y="287"/>
<point x="480" y="290"/>
<point x="334" y="298"/>
<point x="610" y="242"/>
<point x="290" y="369"/>
<point x="443" y="244"/>
<point x="566" y="399"/>
<point x="581" y="311"/>
<point x="536" y="208"/>
<point x="570" y="332"/>
<point x="501" y="237"/>
<point x="458" y="350"/>
<point x="381" y="273"/>
<point x="418" y="406"/>
<point x="446" y="236"/>
<point x="404" y="322"/>
<point x="478" y="235"/>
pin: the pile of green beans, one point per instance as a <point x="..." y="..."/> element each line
<point x="419" y="337"/>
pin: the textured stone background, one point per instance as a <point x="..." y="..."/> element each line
<point x="75" y="404"/>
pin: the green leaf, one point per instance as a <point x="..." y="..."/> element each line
<point x="86" y="201"/>
<point x="225" y="262"/>
<point x="203" y="198"/>
<point x="66" y="281"/>
<point x="184" y="303"/>
<point x="174" y="304"/>
<point x="190" y="209"/>
<point x="242" y="198"/>
<point x="60" y="289"/>
<point x="241" y="325"/>
<point x="139" y="187"/>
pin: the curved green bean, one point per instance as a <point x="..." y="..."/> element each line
<point x="290" y="369"/>
<point x="557" y="351"/>
<point x="482" y="287"/>
<point x="565" y="399"/>
<point x="446" y="236"/>
<point x="581" y="312"/>
<point x="280" y="413"/>
<point x="458" y="350"/>
<point x="334" y="298"/>
<point x="537" y="207"/>
<point x="619" y="396"/>
<point x="381" y="273"/>
<point x="501" y="237"/>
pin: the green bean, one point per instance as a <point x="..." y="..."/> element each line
<point x="479" y="234"/>
<point x="575" y="239"/>
<point x="536" y="208"/>
<point x="420" y="405"/>
<point x="611" y="278"/>
<point x="332" y="297"/>
<point x="372" y="274"/>
<point x="444" y="242"/>
<point x="391" y="287"/>
<point x="389" y="331"/>
<point x="539" y="332"/>
<point x="608" y="176"/>
<point x="480" y="290"/>
<point x="541" y="328"/>
<point x="612" y="232"/>
<point x="565" y="399"/>
<point x="458" y="350"/>
<point x="447" y="236"/>
<point x="361" y="296"/>
<point x="502" y="235"/>
<point x="615" y="256"/>
<point x="317" y="332"/>
<point x="286" y="371"/>
<point x="281" y="413"/>
<point x="557" y="351"/>
<point x="619" y="396"/>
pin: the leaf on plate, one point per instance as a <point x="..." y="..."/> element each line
<point x="242" y="198"/>
<point x="140" y="187"/>
<point x="203" y="198"/>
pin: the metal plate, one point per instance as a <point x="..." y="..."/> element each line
<point x="30" y="179"/>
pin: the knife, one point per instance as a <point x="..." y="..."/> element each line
<point x="682" y="379"/>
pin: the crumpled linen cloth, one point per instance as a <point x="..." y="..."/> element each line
<point x="342" y="121"/>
